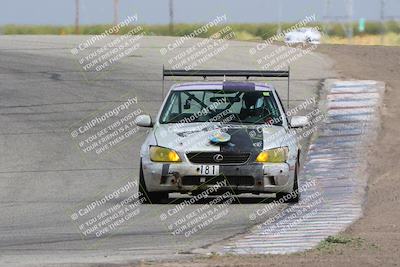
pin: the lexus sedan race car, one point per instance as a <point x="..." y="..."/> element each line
<point x="232" y="134"/>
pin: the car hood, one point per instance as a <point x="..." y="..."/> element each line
<point x="195" y="136"/>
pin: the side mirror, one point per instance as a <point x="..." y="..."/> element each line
<point x="143" y="121"/>
<point x="298" y="121"/>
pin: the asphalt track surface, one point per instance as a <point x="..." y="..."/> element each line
<point x="43" y="175"/>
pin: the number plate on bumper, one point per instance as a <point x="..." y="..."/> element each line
<point x="209" y="170"/>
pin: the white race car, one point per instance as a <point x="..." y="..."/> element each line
<point x="232" y="134"/>
<point x="303" y="35"/>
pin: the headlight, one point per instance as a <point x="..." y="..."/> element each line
<point x="162" y="154"/>
<point x="275" y="155"/>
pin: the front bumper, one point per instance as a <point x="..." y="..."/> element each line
<point x="248" y="178"/>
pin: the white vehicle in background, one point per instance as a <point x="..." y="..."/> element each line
<point x="303" y="35"/>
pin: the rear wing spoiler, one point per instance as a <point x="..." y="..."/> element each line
<point x="229" y="73"/>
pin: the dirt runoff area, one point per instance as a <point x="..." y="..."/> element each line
<point x="374" y="240"/>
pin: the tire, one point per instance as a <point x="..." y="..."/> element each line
<point x="150" y="197"/>
<point x="295" y="192"/>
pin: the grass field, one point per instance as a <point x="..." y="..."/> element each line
<point x="389" y="39"/>
<point x="334" y="32"/>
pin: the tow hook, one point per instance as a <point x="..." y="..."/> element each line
<point x="178" y="179"/>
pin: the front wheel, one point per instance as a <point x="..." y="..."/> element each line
<point x="294" y="196"/>
<point x="150" y="197"/>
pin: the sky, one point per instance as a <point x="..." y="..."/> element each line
<point x="62" y="12"/>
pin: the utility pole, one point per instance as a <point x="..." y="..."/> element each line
<point x="383" y="2"/>
<point x="77" y="16"/>
<point x="346" y="20"/>
<point x="279" y="17"/>
<point x="116" y="12"/>
<point x="327" y="15"/>
<point x="350" y="19"/>
<point x="171" y="17"/>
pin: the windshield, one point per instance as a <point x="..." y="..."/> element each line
<point x="255" y="107"/>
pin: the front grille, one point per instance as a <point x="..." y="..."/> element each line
<point x="209" y="157"/>
<point x="231" y="180"/>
